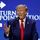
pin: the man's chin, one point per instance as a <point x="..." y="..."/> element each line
<point x="21" y="18"/>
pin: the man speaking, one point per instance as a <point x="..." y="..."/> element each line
<point x="21" y="28"/>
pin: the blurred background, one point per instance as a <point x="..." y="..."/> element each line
<point x="8" y="12"/>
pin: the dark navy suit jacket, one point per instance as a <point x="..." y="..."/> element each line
<point x="30" y="32"/>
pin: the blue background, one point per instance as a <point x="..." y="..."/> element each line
<point x="33" y="6"/>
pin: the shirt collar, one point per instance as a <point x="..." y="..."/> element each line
<point x="23" y="19"/>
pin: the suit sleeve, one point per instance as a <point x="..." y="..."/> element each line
<point x="34" y="31"/>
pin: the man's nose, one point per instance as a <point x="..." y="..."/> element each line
<point x="21" y="11"/>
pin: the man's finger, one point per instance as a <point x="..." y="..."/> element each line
<point x="9" y="26"/>
<point x="5" y="25"/>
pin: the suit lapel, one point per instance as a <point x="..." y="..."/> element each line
<point x="18" y="27"/>
<point x="26" y="27"/>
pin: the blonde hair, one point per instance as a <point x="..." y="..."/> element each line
<point x="22" y="5"/>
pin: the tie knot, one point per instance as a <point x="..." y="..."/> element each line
<point x="21" y="20"/>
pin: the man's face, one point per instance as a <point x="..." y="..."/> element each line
<point x="21" y="12"/>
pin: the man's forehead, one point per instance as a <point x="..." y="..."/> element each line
<point x="21" y="7"/>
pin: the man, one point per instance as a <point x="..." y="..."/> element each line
<point x="21" y="28"/>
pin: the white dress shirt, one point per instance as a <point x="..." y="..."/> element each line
<point x="23" y="22"/>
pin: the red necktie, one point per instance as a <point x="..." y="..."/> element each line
<point x="22" y="30"/>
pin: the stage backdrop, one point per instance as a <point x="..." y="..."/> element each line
<point x="8" y="12"/>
